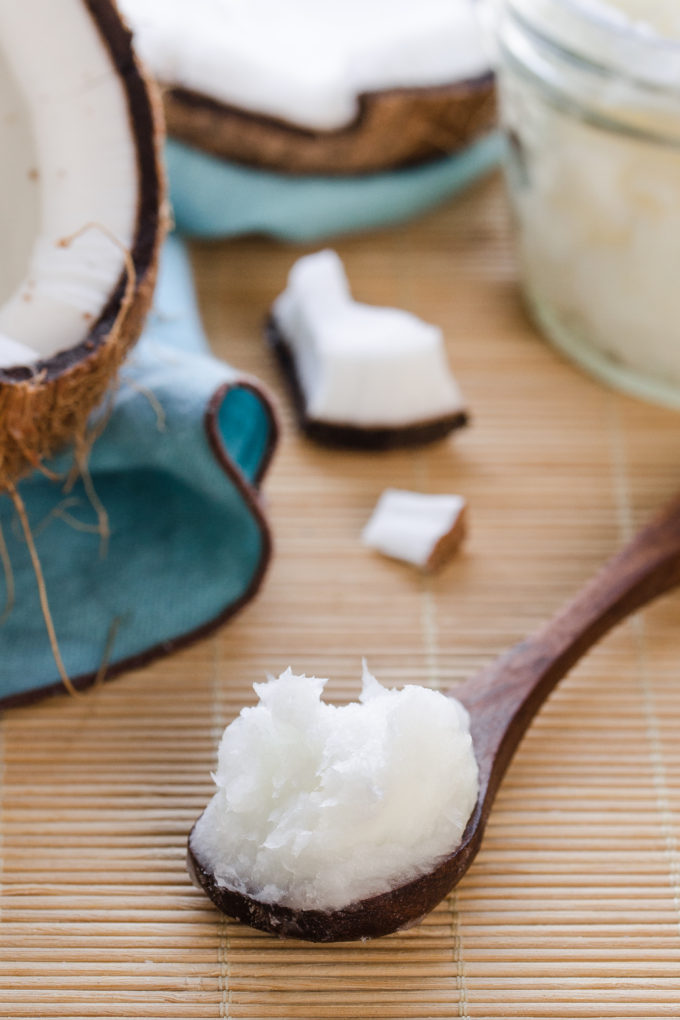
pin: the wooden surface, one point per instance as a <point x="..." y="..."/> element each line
<point x="572" y="908"/>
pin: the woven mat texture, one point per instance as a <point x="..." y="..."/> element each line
<point x="572" y="908"/>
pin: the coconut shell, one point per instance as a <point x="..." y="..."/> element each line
<point x="393" y="128"/>
<point x="46" y="405"/>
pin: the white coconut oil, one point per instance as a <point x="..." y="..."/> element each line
<point x="318" y="806"/>
<point x="590" y="95"/>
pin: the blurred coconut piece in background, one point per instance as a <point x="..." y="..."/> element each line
<point x="360" y="375"/>
<point x="341" y="87"/>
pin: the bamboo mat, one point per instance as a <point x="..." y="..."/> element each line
<point x="572" y="908"/>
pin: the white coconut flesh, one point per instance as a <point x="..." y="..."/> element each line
<point x="408" y="526"/>
<point x="68" y="163"/>
<point x="359" y="364"/>
<point x="305" y="61"/>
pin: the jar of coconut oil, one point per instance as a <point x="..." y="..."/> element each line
<point x="590" y="101"/>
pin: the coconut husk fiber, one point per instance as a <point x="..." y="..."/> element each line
<point x="155" y="534"/>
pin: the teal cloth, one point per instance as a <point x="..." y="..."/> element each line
<point x="188" y="540"/>
<point x="214" y="198"/>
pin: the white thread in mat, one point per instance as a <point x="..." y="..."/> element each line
<point x="217" y="703"/>
<point x="428" y="605"/>
<point x="658" y="767"/>
<point x="458" y="950"/>
<point x="659" y="772"/>
<point x="223" y="977"/>
<point x="620" y="473"/>
<point x="2" y="788"/>
<point x="428" y="617"/>
<point x="223" y="958"/>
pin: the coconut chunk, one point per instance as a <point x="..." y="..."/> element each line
<point x="340" y="87"/>
<point x="415" y="527"/>
<point x="307" y="62"/>
<point x="362" y="374"/>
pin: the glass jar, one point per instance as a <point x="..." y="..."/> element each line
<point x="590" y="102"/>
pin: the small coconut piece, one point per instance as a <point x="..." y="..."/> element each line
<point x="339" y="87"/>
<point x="361" y="375"/>
<point x="81" y="217"/>
<point x="418" y="528"/>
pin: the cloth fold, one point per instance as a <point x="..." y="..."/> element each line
<point x="176" y="470"/>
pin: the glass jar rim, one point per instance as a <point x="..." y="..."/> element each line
<point x="599" y="34"/>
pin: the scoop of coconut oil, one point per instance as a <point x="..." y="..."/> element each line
<point x="318" y="806"/>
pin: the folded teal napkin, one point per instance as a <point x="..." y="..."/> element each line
<point x="212" y="197"/>
<point x="177" y="469"/>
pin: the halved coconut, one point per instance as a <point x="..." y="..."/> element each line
<point x="81" y="217"/>
<point x="332" y="87"/>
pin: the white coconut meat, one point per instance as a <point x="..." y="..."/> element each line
<point x="305" y="61"/>
<point x="416" y="526"/>
<point x="68" y="164"/>
<point x="359" y="364"/>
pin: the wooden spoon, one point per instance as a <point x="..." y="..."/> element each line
<point x="502" y="701"/>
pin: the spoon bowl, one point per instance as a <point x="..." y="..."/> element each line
<point x="502" y="701"/>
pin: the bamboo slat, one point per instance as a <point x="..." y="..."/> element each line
<point x="573" y="906"/>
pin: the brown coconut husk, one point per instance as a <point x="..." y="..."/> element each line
<point x="47" y="405"/>
<point x="393" y="128"/>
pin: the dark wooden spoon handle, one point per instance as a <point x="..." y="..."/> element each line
<point x="504" y="698"/>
